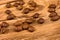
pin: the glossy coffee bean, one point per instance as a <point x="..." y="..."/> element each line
<point x="8" y="5"/>
<point x="40" y="21"/>
<point x="7" y="11"/>
<point x="26" y="10"/>
<point x="31" y="29"/>
<point x="25" y="26"/>
<point x="36" y="15"/>
<point x="18" y="29"/>
<point x="52" y="6"/>
<point x="10" y="17"/>
<point x="4" y="24"/>
<point x="55" y="18"/>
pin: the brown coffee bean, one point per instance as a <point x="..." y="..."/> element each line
<point x="18" y="23"/>
<point x="7" y="11"/>
<point x="31" y="29"/>
<point x="52" y="6"/>
<point x="10" y="17"/>
<point x="26" y="10"/>
<point x="55" y="18"/>
<point x="52" y="14"/>
<point x="32" y="3"/>
<point x="4" y="24"/>
<point x="8" y="5"/>
<point x="40" y="20"/>
<point x="25" y="26"/>
<point x="51" y="10"/>
<point x="29" y="20"/>
<point x="19" y="7"/>
<point x="18" y="28"/>
<point x="36" y="15"/>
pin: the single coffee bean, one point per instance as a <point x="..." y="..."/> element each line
<point x="10" y="17"/>
<point x="18" y="28"/>
<point x="7" y="11"/>
<point x="4" y="25"/>
<point x="31" y="29"/>
<point x="25" y="26"/>
<point x="8" y="5"/>
<point x="26" y="10"/>
<point x="40" y="20"/>
<point x="55" y="18"/>
<point x="51" y="10"/>
<point x="52" y="6"/>
<point x="32" y="3"/>
<point x="18" y="23"/>
<point x="19" y="7"/>
<point x="52" y="14"/>
<point x="36" y="15"/>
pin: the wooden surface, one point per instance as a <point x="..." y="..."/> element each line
<point x="48" y="31"/>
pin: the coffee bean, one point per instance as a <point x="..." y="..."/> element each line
<point x="19" y="7"/>
<point x="29" y="20"/>
<point x="31" y="29"/>
<point x="4" y="24"/>
<point x="10" y="17"/>
<point x="52" y="14"/>
<point x="26" y="10"/>
<point x="36" y="15"/>
<point x="7" y="11"/>
<point x="55" y="18"/>
<point x="40" y="20"/>
<point x="18" y="28"/>
<point x="18" y="23"/>
<point x="51" y="10"/>
<point x="32" y="3"/>
<point x="52" y="6"/>
<point x="8" y="5"/>
<point x="25" y="26"/>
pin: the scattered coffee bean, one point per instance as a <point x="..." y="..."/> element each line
<point x="25" y="26"/>
<point x="31" y="29"/>
<point x="52" y="14"/>
<point x="36" y="15"/>
<point x="19" y="7"/>
<point x="40" y="20"/>
<point x="55" y="18"/>
<point x="7" y="11"/>
<point x="4" y="24"/>
<point x="52" y="6"/>
<point x="8" y="5"/>
<point x="18" y="28"/>
<point x="10" y="17"/>
<point x="17" y="23"/>
<point x="51" y="10"/>
<point x="26" y="10"/>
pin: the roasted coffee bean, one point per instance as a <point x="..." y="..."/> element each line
<point x="36" y="15"/>
<point x="40" y="20"/>
<point x="26" y="10"/>
<point x="7" y="11"/>
<point x="29" y="20"/>
<point x="31" y="29"/>
<point x="18" y="28"/>
<point x="4" y="24"/>
<point x="55" y="18"/>
<point x="51" y="10"/>
<point x="52" y="6"/>
<point x="10" y="17"/>
<point x="32" y="3"/>
<point x="25" y="26"/>
<point x="18" y="23"/>
<point x="52" y="14"/>
<point x="19" y="7"/>
<point x="8" y="5"/>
